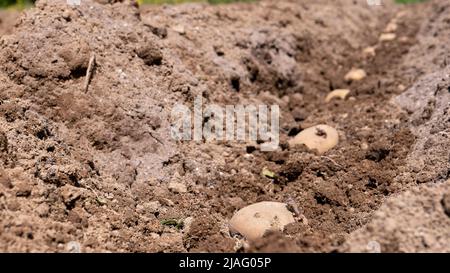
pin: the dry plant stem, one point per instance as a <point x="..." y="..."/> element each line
<point x="90" y="69"/>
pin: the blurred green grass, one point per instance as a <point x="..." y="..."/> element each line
<point x="408" y="1"/>
<point x="15" y="3"/>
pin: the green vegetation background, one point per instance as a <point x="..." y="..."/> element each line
<point x="15" y="3"/>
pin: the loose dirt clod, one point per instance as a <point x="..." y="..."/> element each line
<point x="23" y="189"/>
<point x="150" y="54"/>
<point x="255" y="220"/>
<point x="338" y="93"/>
<point x="5" y="180"/>
<point x="320" y="137"/>
<point x="355" y="75"/>
<point x="446" y="203"/>
<point x="177" y="187"/>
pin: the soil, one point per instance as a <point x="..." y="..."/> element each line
<point x="96" y="170"/>
<point x="7" y="21"/>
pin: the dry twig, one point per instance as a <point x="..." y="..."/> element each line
<point x="89" y="71"/>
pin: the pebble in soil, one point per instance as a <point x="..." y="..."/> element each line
<point x="355" y="75"/>
<point x="386" y="37"/>
<point x="338" y="93"/>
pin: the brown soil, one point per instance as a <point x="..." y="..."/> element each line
<point x="96" y="169"/>
<point x="7" y="21"/>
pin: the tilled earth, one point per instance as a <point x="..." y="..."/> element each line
<point x="96" y="170"/>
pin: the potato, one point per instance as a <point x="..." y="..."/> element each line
<point x="255" y="220"/>
<point x="385" y="37"/>
<point x="320" y="137"/>
<point x="338" y="93"/>
<point x="355" y="75"/>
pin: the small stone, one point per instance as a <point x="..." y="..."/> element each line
<point x="153" y="206"/>
<point x="177" y="187"/>
<point x="66" y="15"/>
<point x="180" y="29"/>
<point x="320" y="137"/>
<point x="385" y="37"/>
<point x="391" y="27"/>
<point x="73" y="247"/>
<point x="187" y="223"/>
<point x="70" y="194"/>
<point x="338" y="93"/>
<point x="167" y="202"/>
<point x="404" y="39"/>
<point x="355" y="75"/>
<point x="255" y="220"/>
<point x="364" y="146"/>
<point x="148" y="207"/>
<point x="154" y="236"/>
<point x="370" y="51"/>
